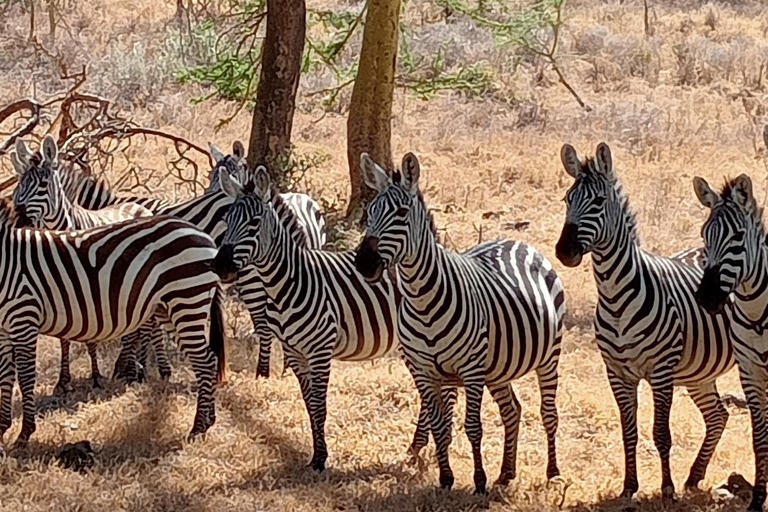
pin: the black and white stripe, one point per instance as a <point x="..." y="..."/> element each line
<point x="100" y="284"/>
<point x="736" y="279"/>
<point x="317" y="305"/>
<point x="481" y="318"/>
<point x="647" y="323"/>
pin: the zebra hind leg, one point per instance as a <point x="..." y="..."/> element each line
<point x="161" y="354"/>
<point x="7" y="375"/>
<point x="65" y="378"/>
<point x="24" y="356"/>
<point x="547" y="377"/>
<point x="509" y="409"/>
<point x="474" y="426"/>
<point x="98" y="382"/>
<point x="662" y="384"/>
<point x="707" y="399"/>
<point x="625" y="394"/>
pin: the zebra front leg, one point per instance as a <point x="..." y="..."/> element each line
<point x="509" y="409"/>
<point x="662" y="384"/>
<point x="65" y="378"/>
<point x="7" y="375"/>
<point x="707" y="399"/>
<point x="95" y="374"/>
<point x="264" y="338"/>
<point x="754" y="384"/>
<point x="431" y="396"/>
<point x="474" y="426"/>
<point x="421" y="436"/>
<point x="320" y="372"/>
<point x="298" y="364"/>
<point x="547" y="377"/>
<point x="125" y="366"/>
<point x="161" y="354"/>
<point x="625" y="394"/>
<point x="24" y="356"/>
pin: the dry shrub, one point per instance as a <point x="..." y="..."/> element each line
<point x="703" y="61"/>
<point x="618" y="56"/>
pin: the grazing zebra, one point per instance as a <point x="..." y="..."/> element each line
<point x="737" y="263"/>
<point x="317" y="305"/>
<point x="481" y="318"/>
<point x="100" y="284"/>
<point x="40" y="202"/>
<point x="647" y="323"/>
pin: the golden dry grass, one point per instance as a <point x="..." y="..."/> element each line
<point x="482" y="167"/>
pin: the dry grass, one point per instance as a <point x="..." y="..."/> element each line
<point x="487" y="163"/>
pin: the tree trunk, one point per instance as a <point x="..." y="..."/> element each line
<point x="270" y="139"/>
<point x="368" y="127"/>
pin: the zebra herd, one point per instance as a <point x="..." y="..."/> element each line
<point x="82" y="263"/>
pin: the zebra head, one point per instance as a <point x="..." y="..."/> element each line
<point x="250" y="220"/>
<point x="38" y="195"/>
<point x="733" y="236"/>
<point x="593" y="203"/>
<point x="233" y="164"/>
<point x="396" y="217"/>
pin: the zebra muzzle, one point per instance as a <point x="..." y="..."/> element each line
<point x="368" y="261"/>
<point x="710" y="294"/>
<point x="224" y="265"/>
<point x="568" y="250"/>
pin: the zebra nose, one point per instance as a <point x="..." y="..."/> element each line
<point x="568" y="250"/>
<point x="22" y="219"/>
<point x="223" y="264"/>
<point x="368" y="261"/>
<point x="710" y="294"/>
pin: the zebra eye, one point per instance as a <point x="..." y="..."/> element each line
<point x="402" y="211"/>
<point x="599" y="201"/>
<point x="738" y="236"/>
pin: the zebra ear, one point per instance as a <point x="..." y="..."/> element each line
<point x="22" y="151"/>
<point x="604" y="159"/>
<point x="375" y="177"/>
<point x="18" y="165"/>
<point x="238" y="149"/>
<point x="411" y="170"/>
<point x="262" y="183"/>
<point x="216" y="153"/>
<point x="704" y="193"/>
<point x="50" y="150"/>
<point x="742" y="191"/>
<point x="570" y="160"/>
<point x="230" y="185"/>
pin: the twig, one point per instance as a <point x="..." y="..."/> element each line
<point x="17" y="106"/>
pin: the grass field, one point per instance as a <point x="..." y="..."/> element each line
<point x="687" y="101"/>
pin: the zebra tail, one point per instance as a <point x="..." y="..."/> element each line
<point x="217" y="336"/>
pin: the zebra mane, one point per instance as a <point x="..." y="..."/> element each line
<point x="397" y="178"/>
<point x="285" y="215"/>
<point x="589" y="168"/>
<point x="727" y="193"/>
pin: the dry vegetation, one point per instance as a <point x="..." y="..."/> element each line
<point x="687" y="100"/>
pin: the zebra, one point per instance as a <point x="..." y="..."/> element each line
<point x="300" y="212"/>
<point x="317" y="305"/>
<point x="647" y="323"/>
<point x="99" y="284"/>
<point x="735" y="278"/>
<point x="40" y="202"/>
<point x="480" y="318"/>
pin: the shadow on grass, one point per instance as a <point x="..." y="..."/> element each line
<point x="696" y="501"/>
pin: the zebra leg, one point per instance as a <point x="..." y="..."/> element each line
<point x="95" y="374"/>
<point x="141" y="344"/>
<point x="421" y="436"/>
<point x="625" y="394"/>
<point x="298" y="363"/>
<point x="320" y="372"/>
<point x="125" y="366"/>
<point x="24" y="355"/>
<point x="753" y="383"/>
<point x="263" y="336"/>
<point x="431" y="396"/>
<point x="547" y="377"/>
<point x="662" y="384"/>
<point x="64" y="376"/>
<point x="158" y="345"/>
<point x="474" y="427"/>
<point x="7" y="374"/>
<point x="509" y="409"/>
<point x="707" y="399"/>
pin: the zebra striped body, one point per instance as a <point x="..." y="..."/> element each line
<point x="41" y="202"/>
<point x="317" y="304"/>
<point x="647" y="323"/>
<point x="97" y="285"/>
<point x="481" y="318"/>
<point x="736" y="279"/>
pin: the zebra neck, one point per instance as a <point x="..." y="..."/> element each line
<point x="752" y="293"/>
<point x="616" y="263"/>
<point x="423" y="275"/>
<point x="278" y="260"/>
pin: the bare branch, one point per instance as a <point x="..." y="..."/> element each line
<point x="18" y="106"/>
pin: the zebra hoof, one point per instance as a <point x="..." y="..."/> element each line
<point x="553" y="472"/>
<point x="98" y="382"/>
<point x="446" y="481"/>
<point x="165" y="375"/>
<point x="62" y="388"/>
<point x="668" y="493"/>
<point x="317" y="465"/>
<point x="505" y="478"/>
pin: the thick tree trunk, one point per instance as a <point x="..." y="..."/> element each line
<point x="368" y="127"/>
<point x="270" y="139"/>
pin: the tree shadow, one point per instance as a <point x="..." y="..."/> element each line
<point x="690" y="501"/>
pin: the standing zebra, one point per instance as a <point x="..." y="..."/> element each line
<point x="647" y="323"/>
<point x="737" y="263"/>
<point x="481" y="318"/>
<point x="40" y="202"/>
<point x="317" y="305"/>
<point x="97" y="285"/>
